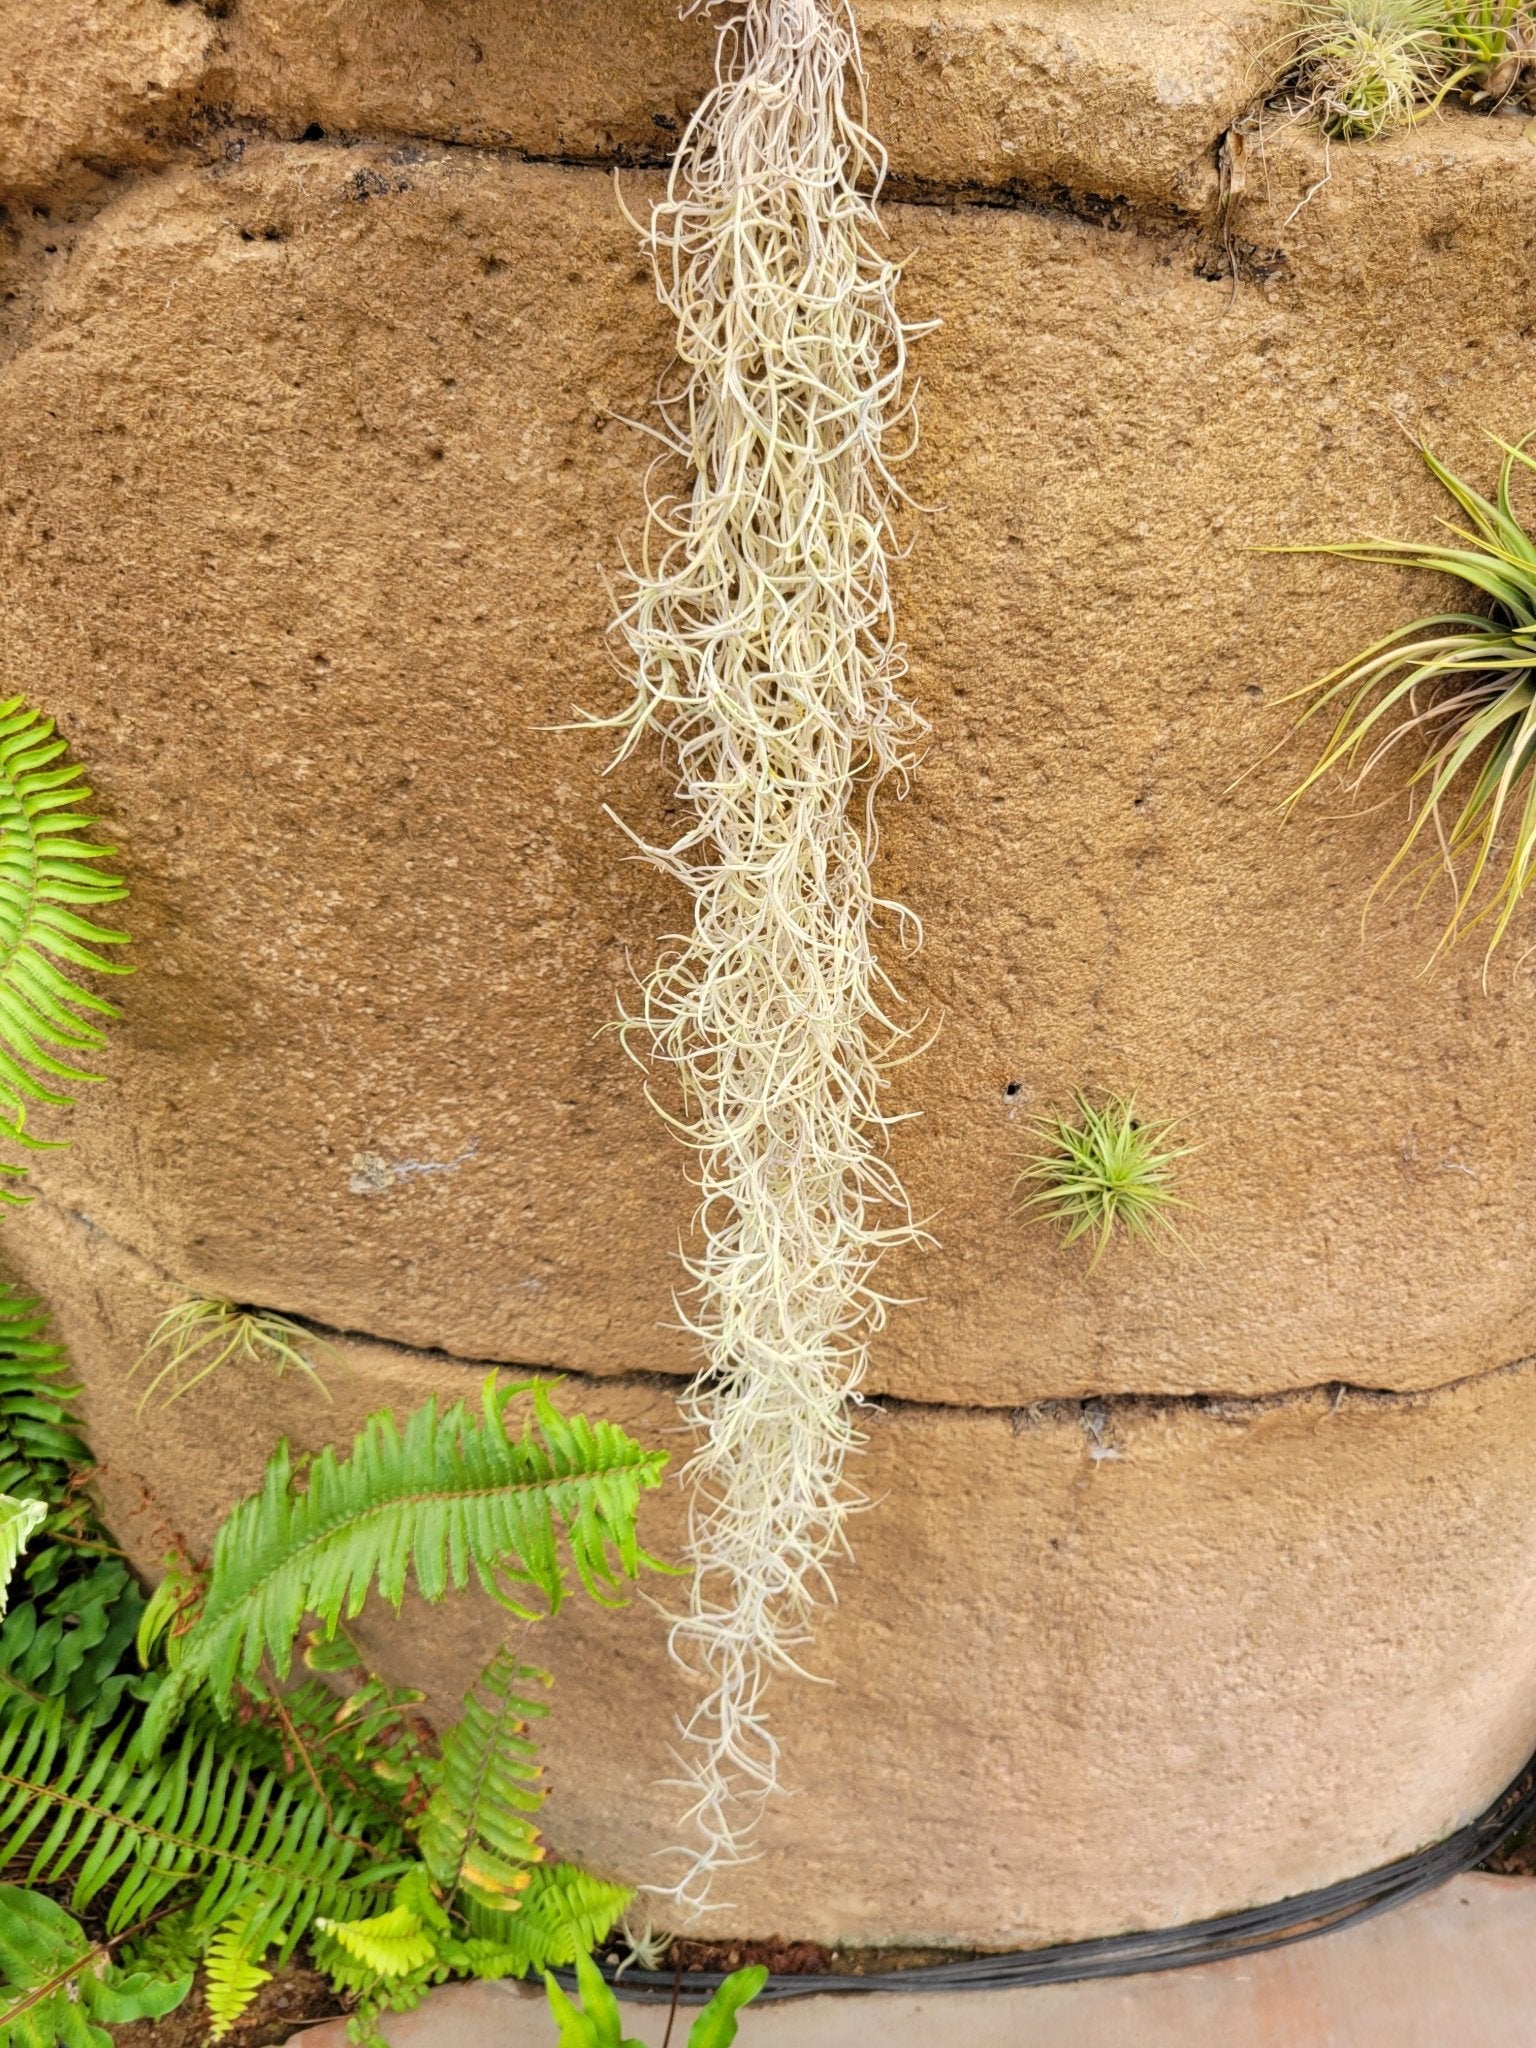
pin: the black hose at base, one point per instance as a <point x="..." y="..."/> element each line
<point x="1171" y="1948"/>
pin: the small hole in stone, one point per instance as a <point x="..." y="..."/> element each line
<point x="1014" y="1088"/>
<point x="313" y="133"/>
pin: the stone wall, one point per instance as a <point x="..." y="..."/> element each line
<point x="1189" y="1584"/>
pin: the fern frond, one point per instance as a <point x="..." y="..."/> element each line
<point x="85" y="1809"/>
<point x="392" y="1944"/>
<point x="475" y="1835"/>
<point x="431" y="1504"/>
<point x="368" y="1750"/>
<point x="233" y="1973"/>
<point x="565" y="1912"/>
<point x="18" y="1520"/>
<point x="47" y="877"/>
<point x="40" y="1445"/>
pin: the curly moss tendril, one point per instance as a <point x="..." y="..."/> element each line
<point x="760" y="635"/>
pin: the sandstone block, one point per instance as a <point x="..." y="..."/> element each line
<point x="93" y="84"/>
<point x="314" y="462"/>
<point x="1125" y="103"/>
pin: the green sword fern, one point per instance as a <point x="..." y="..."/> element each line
<point x="48" y="877"/>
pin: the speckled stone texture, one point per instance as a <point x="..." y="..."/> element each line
<point x="87" y="85"/>
<point x="1124" y="102"/>
<point x="314" y="460"/>
<point x="313" y="455"/>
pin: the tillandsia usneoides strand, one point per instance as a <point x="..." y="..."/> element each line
<point x="759" y="632"/>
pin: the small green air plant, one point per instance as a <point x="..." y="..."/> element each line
<point x="597" y="2022"/>
<point x="197" y="1337"/>
<point x="1365" y="67"/>
<point x="1104" y="1170"/>
<point x="1463" y="684"/>
<point x="48" y="878"/>
<point x="223" y="1804"/>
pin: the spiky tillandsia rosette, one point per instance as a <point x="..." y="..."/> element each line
<point x="762" y="641"/>
<point x="1104" y="1172"/>
<point x="1365" y="67"/>
<point x="1466" y="681"/>
<point x="197" y="1337"/>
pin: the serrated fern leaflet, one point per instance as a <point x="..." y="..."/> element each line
<point x="77" y="1806"/>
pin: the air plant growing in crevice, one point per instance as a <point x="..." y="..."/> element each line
<point x="1104" y="1172"/>
<point x="1461" y="686"/>
<point x="197" y="1337"/>
<point x="760" y="636"/>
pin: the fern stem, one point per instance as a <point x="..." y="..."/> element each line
<point x="99" y="1952"/>
<point x="301" y="1751"/>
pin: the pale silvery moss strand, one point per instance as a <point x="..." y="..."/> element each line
<point x="761" y="636"/>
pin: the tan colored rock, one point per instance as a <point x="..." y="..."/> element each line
<point x="1124" y="102"/>
<point x="1094" y="1669"/>
<point x="1378" y="227"/>
<point x="314" y="463"/>
<point x="98" y="84"/>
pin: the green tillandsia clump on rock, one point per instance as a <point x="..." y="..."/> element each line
<point x="597" y="2023"/>
<point x="1366" y="67"/>
<point x="1102" y="1172"/>
<point x="195" y="1338"/>
<point x="1455" y="692"/>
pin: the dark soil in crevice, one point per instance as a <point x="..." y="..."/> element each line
<point x="1516" y="1857"/>
<point x="802" y="1958"/>
<point x="295" y="1996"/>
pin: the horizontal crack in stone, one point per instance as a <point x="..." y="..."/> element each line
<point x="1022" y="1414"/>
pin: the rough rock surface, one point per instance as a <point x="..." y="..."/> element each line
<point x="1123" y="102"/>
<point x="313" y="462"/>
<point x="313" y="456"/>
<point x="1095" y="1667"/>
<point x="89" y="83"/>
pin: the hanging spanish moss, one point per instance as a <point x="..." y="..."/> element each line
<point x="760" y="633"/>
